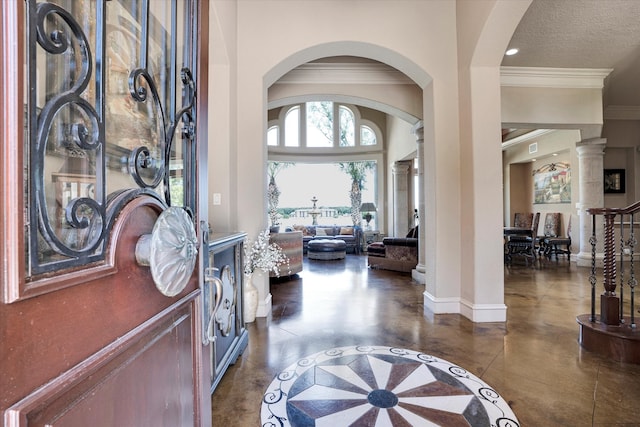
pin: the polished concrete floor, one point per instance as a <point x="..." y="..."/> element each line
<point x="533" y="360"/>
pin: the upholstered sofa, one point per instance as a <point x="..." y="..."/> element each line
<point x="291" y="244"/>
<point x="395" y="253"/>
<point x="352" y="235"/>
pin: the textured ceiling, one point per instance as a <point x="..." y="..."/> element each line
<point x="577" y="34"/>
<point x="584" y="34"/>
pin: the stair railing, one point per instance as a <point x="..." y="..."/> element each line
<point x="612" y="304"/>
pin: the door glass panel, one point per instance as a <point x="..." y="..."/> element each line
<point x="133" y="123"/>
<point x="110" y="112"/>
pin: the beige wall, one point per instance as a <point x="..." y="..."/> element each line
<point x="623" y="152"/>
<point x="452" y="50"/>
<point x="519" y="176"/>
<point x="551" y="106"/>
<point x="223" y="147"/>
<point x="401" y="145"/>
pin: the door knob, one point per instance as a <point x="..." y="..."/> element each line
<point x="170" y="251"/>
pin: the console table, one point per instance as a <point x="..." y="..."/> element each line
<point x="230" y="336"/>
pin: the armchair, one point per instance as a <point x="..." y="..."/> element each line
<point x="395" y="253"/>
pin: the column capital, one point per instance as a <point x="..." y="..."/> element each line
<point x="400" y="167"/>
<point x="593" y="146"/>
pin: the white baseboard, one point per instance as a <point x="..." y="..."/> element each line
<point x="441" y="305"/>
<point x="475" y="312"/>
<point x="484" y="312"/>
<point x="418" y="276"/>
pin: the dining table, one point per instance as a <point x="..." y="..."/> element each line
<point x="512" y="231"/>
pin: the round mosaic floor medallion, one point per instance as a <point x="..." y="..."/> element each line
<point x="380" y="386"/>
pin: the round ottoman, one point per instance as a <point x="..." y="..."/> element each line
<point x="327" y="249"/>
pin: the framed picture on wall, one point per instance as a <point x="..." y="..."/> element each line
<point x="552" y="183"/>
<point x="614" y="181"/>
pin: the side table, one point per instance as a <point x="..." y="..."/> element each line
<point x="370" y="236"/>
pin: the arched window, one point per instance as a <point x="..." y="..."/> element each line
<point x="319" y="124"/>
<point x="272" y="136"/>
<point x="292" y="127"/>
<point x="347" y="127"/>
<point x="313" y="125"/>
<point x="367" y="136"/>
<point x="318" y="138"/>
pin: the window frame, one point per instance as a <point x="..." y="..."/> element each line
<point x="302" y="147"/>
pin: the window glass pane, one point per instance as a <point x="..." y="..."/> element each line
<point x="320" y="124"/>
<point x="347" y="128"/>
<point x="292" y="128"/>
<point x="332" y="193"/>
<point x="272" y="136"/>
<point x="367" y="136"/>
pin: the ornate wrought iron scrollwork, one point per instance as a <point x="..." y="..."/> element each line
<point x="141" y="157"/>
<point x="76" y="115"/>
<point x="82" y="213"/>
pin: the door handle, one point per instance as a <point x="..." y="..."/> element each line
<point x="210" y="277"/>
<point x="170" y="250"/>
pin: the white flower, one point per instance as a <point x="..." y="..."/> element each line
<point x="264" y="255"/>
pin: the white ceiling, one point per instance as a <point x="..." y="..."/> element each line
<point x="584" y="34"/>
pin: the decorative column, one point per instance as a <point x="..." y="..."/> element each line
<point x="418" y="273"/>
<point x="591" y="166"/>
<point x="401" y="198"/>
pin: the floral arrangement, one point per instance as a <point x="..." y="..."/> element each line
<point x="264" y="255"/>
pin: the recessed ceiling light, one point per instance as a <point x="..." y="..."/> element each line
<point x="511" y="51"/>
<point x="555" y="154"/>
<point x="533" y="160"/>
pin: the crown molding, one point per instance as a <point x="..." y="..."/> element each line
<point x="340" y="73"/>
<point x="622" y="112"/>
<point x="569" y="78"/>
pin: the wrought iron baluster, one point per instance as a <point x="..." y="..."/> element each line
<point x="622" y="253"/>
<point x="632" y="275"/>
<point x="592" y="276"/>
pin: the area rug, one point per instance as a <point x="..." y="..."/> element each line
<point x="380" y="386"/>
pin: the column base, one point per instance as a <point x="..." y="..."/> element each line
<point x="419" y="276"/>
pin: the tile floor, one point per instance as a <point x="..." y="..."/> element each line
<point x="382" y="387"/>
<point x="533" y="360"/>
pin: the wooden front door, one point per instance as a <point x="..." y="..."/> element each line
<point x="100" y="132"/>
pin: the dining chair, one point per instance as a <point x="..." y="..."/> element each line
<point x="551" y="228"/>
<point x="522" y="220"/>
<point x="524" y="244"/>
<point x="558" y="245"/>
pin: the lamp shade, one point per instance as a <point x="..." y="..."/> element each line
<point x="368" y="207"/>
